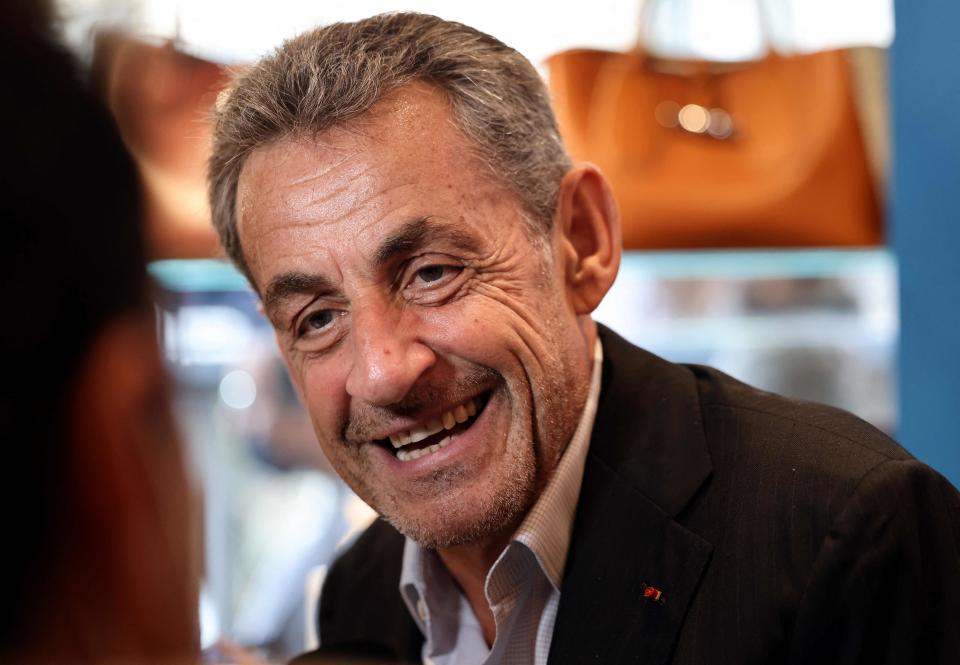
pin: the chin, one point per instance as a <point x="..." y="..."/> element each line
<point x="470" y="517"/>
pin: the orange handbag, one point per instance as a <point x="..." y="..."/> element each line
<point x="705" y="155"/>
<point x="162" y="99"/>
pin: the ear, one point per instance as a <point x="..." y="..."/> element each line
<point x="131" y="498"/>
<point x="588" y="222"/>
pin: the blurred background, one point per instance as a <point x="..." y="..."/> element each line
<point x="787" y="214"/>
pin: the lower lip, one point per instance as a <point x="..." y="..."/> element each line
<point x="460" y="444"/>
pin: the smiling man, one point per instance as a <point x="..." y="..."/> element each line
<point x="397" y="194"/>
<point x="423" y="317"/>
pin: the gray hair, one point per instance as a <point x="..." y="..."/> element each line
<point x="332" y="74"/>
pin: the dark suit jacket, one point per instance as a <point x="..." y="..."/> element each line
<point x="777" y="531"/>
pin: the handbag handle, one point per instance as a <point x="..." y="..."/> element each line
<point x="712" y="120"/>
<point x="649" y="7"/>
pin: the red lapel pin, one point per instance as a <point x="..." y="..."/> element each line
<point x="653" y="593"/>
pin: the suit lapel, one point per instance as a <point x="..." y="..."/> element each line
<point x="647" y="459"/>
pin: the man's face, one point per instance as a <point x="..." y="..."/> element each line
<point x="414" y="306"/>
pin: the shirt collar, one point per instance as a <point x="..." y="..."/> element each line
<point x="425" y="582"/>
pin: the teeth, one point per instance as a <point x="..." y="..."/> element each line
<point x="400" y="439"/>
<point x="448" y="420"/>
<point x="433" y="427"/>
<point x="410" y="455"/>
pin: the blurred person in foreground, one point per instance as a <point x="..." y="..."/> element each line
<point x="397" y="193"/>
<point x="96" y="512"/>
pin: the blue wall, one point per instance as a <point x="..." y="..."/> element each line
<point x="926" y="227"/>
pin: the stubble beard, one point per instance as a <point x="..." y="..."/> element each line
<point x="454" y="515"/>
<point x="484" y="513"/>
<point x="487" y="510"/>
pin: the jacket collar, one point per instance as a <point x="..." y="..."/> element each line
<point x="648" y="457"/>
<point x="649" y="425"/>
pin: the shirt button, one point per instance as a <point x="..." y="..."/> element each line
<point x="422" y="610"/>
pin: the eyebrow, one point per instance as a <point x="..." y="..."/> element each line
<point x="417" y="233"/>
<point x="286" y="286"/>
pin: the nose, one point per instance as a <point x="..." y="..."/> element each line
<point x="388" y="357"/>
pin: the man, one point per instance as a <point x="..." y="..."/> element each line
<point x="97" y="535"/>
<point x="396" y="191"/>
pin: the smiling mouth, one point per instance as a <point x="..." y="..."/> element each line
<point x="437" y="433"/>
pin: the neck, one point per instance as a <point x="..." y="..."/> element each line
<point x="469" y="565"/>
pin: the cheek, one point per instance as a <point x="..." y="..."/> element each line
<point x="499" y="332"/>
<point x="474" y="327"/>
<point x="322" y="388"/>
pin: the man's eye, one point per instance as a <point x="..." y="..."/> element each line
<point x="437" y="273"/>
<point x="318" y="320"/>
<point x="431" y="273"/>
<point x="318" y="330"/>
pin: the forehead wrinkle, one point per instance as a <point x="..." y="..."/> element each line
<point x="367" y="198"/>
<point x="379" y="220"/>
<point x="326" y="169"/>
<point x="304" y="220"/>
<point x="338" y="181"/>
<point x="297" y="190"/>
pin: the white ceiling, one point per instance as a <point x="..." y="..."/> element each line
<point x="242" y="30"/>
